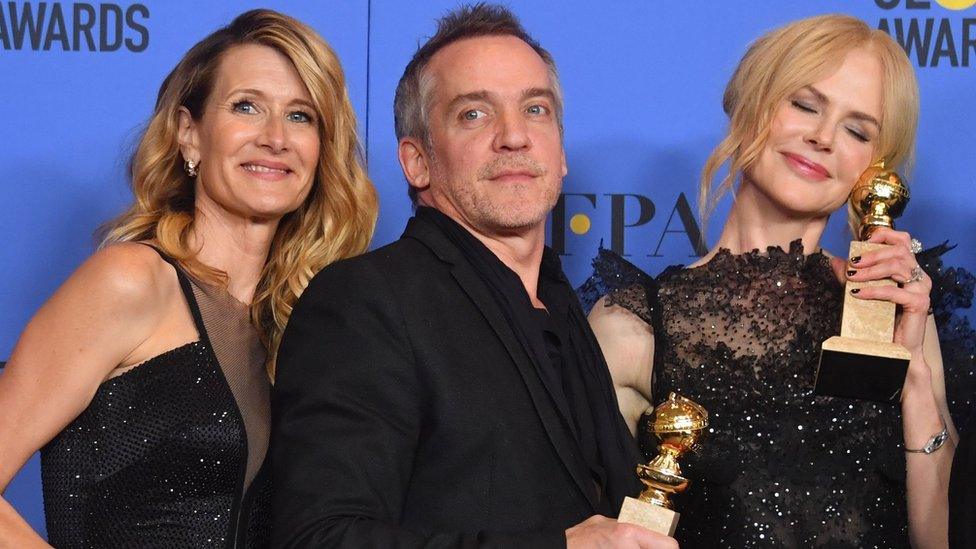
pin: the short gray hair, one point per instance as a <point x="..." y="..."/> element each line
<point x="413" y="94"/>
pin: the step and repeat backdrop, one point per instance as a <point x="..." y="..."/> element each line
<point x="643" y="82"/>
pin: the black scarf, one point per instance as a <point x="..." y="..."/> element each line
<point x="614" y="446"/>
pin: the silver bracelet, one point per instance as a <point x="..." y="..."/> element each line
<point x="934" y="443"/>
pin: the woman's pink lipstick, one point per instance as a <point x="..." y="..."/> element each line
<point x="805" y="167"/>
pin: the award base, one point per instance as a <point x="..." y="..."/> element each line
<point x="862" y="362"/>
<point x="648" y="515"/>
<point x="865" y="370"/>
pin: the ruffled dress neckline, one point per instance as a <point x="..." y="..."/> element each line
<point x="774" y="256"/>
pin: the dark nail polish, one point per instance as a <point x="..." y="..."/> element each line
<point x="855" y="290"/>
<point x="855" y="259"/>
<point x="851" y="272"/>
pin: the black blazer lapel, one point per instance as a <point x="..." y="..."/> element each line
<point x="545" y="406"/>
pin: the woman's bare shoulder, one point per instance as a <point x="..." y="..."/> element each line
<point x="128" y="270"/>
<point x="122" y="285"/>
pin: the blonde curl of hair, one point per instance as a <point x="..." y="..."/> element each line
<point x="335" y="221"/>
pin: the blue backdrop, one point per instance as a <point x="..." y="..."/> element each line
<point x="643" y="83"/>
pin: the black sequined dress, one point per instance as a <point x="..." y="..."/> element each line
<point x="780" y="466"/>
<point x="171" y="453"/>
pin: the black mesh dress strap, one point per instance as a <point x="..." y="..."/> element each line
<point x="187" y="288"/>
<point x="623" y="284"/>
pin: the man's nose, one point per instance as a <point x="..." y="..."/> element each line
<point x="512" y="132"/>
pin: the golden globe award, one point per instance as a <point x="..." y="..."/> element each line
<point x="863" y="362"/>
<point x="678" y="425"/>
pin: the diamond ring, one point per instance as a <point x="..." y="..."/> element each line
<point x="915" y="246"/>
<point x="917" y="275"/>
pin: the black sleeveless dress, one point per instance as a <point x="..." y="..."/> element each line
<point x="170" y="453"/>
<point x="740" y="335"/>
<point x="779" y="466"/>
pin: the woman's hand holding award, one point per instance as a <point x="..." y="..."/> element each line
<point x="863" y="362"/>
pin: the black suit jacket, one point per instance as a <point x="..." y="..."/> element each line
<point x="406" y="413"/>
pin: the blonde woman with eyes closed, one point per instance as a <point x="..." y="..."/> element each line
<point x="811" y="105"/>
<point x="145" y="379"/>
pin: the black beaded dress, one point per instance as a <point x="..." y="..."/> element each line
<point x="171" y="452"/>
<point x="780" y="466"/>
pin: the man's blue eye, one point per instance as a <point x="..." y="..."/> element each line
<point x="473" y="114"/>
<point x="537" y="109"/>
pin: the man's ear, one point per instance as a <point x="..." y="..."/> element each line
<point x="188" y="136"/>
<point x="414" y="163"/>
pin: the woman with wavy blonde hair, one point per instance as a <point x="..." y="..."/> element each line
<point x="146" y="377"/>
<point x="811" y="106"/>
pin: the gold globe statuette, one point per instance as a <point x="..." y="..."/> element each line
<point x="878" y="198"/>
<point x="678" y="424"/>
<point x="863" y="362"/>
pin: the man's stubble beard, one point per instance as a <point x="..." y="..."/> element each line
<point x="489" y="215"/>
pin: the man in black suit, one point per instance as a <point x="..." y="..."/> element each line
<point x="445" y="390"/>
